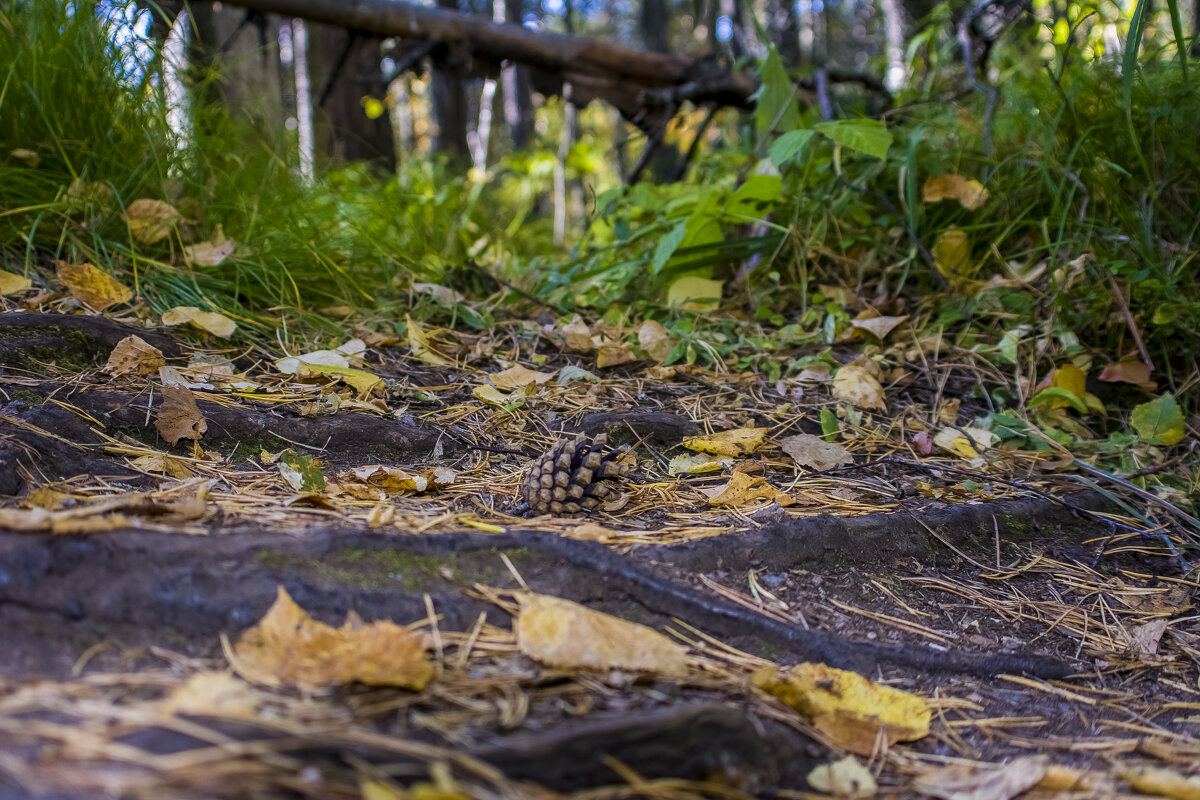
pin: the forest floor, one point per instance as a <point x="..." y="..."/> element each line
<point x="1055" y="651"/>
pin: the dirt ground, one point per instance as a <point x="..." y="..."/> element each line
<point x="1029" y="618"/>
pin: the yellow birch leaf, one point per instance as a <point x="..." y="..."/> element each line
<point x="133" y="355"/>
<point x="359" y="380"/>
<point x="970" y="193"/>
<point x="697" y="463"/>
<point x="418" y="343"/>
<point x="577" y="336"/>
<point x="563" y="634"/>
<point x="11" y="283"/>
<point x="288" y="647"/>
<point x="493" y="396"/>
<point x="847" y="707"/>
<point x="1163" y="783"/>
<point x="654" y="339"/>
<point x="150" y="221"/>
<point x="952" y="256"/>
<point x="735" y="442"/>
<point x="743" y="488"/>
<point x="856" y="385"/>
<point x="211" y="321"/>
<point x="955" y="441"/>
<point x="93" y="287"/>
<point x="518" y="377"/>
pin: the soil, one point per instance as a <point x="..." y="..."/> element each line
<point x="933" y="597"/>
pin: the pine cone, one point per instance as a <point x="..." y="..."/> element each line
<point x="571" y="478"/>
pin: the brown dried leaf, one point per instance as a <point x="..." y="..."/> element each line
<point x="743" y="488"/>
<point x="877" y="326"/>
<point x="1129" y="370"/>
<point x="814" y="452"/>
<point x="210" y="253"/>
<point x="92" y="287"/>
<point x="133" y="355"/>
<point x="418" y="343"/>
<point x="577" y="336"/>
<point x="288" y="647"/>
<point x="518" y="377"/>
<point x="654" y="339"/>
<point x="563" y="634"/>
<point x="963" y="782"/>
<point x="179" y="417"/>
<point x="151" y="221"/>
<point x="612" y="354"/>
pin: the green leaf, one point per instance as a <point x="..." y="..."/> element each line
<point x="1133" y="44"/>
<point x="830" y="425"/>
<point x="667" y="246"/>
<point x="788" y="146"/>
<point x="303" y="472"/>
<point x="750" y="195"/>
<point x="868" y="136"/>
<point x="776" y="108"/>
<point x="1159" y="422"/>
<point x="1008" y="346"/>
<point x="1055" y="392"/>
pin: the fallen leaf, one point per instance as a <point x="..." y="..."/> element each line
<point x="612" y="354"/>
<point x="30" y="157"/>
<point x="923" y="443"/>
<point x="654" y="339"/>
<point x="877" y="326"/>
<point x="846" y="777"/>
<point x="847" y="707"/>
<point x="133" y="355"/>
<point x="563" y="634"/>
<point x="963" y="782"/>
<point x="211" y="321"/>
<point x="814" y="452"/>
<point x="302" y="473"/>
<point x="695" y="294"/>
<point x="1069" y="378"/>
<point x="11" y="283"/>
<point x="734" y="442"/>
<point x="571" y="373"/>
<point x="418" y="343"/>
<point x="363" y="382"/>
<point x="1129" y="371"/>
<point x="494" y="397"/>
<point x="1158" y="422"/>
<point x="518" y="377"/>
<point x="291" y="365"/>
<point x="1144" y="638"/>
<point x="742" y="488"/>
<point x="163" y="464"/>
<point x="952" y="256"/>
<point x="1163" y="783"/>
<point x="151" y="221"/>
<point x="210" y="253"/>
<point x="970" y="193"/>
<point x="855" y="384"/>
<point x="179" y="417"/>
<point x="955" y="441"/>
<point x="288" y="647"/>
<point x="394" y="479"/>
<point x="214" y="693"/>
<point x="816" y="372"/>
<point x="443" y="294"/>
<point x="91" y="286"/>
<point x="697" y="463"/>
<point x="577" y="337"/>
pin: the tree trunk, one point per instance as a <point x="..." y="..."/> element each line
<point x="344" y="69"/>
<point x="518" y="99"/>
<point x="654" y="26"/>
<point x="450" y="103"/>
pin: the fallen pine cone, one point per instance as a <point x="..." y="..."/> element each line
<point x="572" y="477"/>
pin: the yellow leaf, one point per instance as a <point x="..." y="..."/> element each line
<point x="394" y="479"/>
<point x="612" y="354"/>
<point x="359" y="380"/>
<point x="856" y="385"/>
<point x="952" y="256"/>
<point x="164" y="464"/>
<point x="735" y="442"/>
<point x="133" y="355"/>
<point x="418" y="343"/>
<point x="90" y="286"/>
<point x="1163" y="783"/>
<point x="214" y="693"/>
<point x="743" y="488"/>
<point x="1070" y="378"/>
<point x="288" y="647"/>
<point x="846" y="706"/>
<point x="654" y="339"/>
<point x="953" y="440"/>
<point x="563" y="634"/>
<point x="151" y="221"/>
<point x="970" y="193"/>
<point x="845" y="777"/>
<point x="518" y="377"/>
<point x="211" y="321"/>
<point x="695" y="294"/>
<point x="697" y="463"/>
<point x="11" y="283"/>
<point x="210" y="253"/>
<point x="493" y="396"/>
